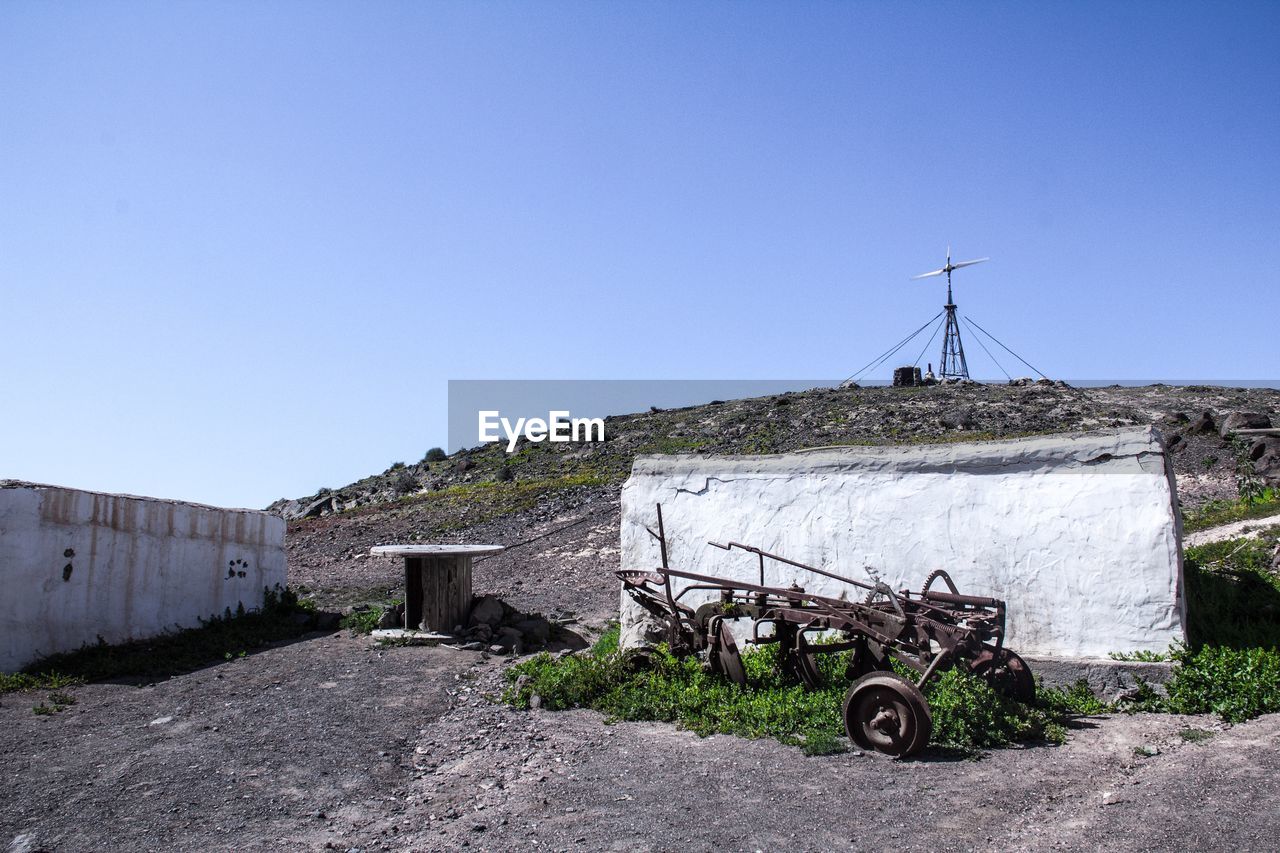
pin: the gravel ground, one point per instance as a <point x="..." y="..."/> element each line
<point x="329" y="743"/>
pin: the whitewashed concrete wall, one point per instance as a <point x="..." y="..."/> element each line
<point x="76" y="565"/>
<point x="1078" y="533"/>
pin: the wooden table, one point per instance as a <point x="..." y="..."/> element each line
<point x="437" y="580"/>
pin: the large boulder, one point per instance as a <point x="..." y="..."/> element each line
<point x="1267" y="464"/>
<point x="487" y="610"/>
<point x="957" y="419"/>
<point x="1201" y="425"/>
<point x="1243" y="420"/>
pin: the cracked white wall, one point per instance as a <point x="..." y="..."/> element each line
<point x="1078" y="533"/>
<point x="76" y="566"/>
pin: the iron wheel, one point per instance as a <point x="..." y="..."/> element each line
<point x="886" y="713"/>
<point x="1006" y="673"/>
<point x="724" y="656"/>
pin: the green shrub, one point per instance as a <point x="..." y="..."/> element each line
<point x="364" y="619"/>
<point x="28" y="681"/>
<point x="435" y="454"/>
<point x="1233" y="598"/>
<point x="968" y="715"/>
<point x="1235" y="684"/>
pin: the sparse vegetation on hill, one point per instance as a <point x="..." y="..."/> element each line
<point x="829" y="416"/>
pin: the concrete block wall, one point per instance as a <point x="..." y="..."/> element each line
<point x="1079" y="533"/>
<point x="77" y="565"/>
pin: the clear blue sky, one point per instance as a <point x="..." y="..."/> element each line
<point x="244" y="245"/>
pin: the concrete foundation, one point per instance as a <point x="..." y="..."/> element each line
<point x="1079" y="533"/>
<point x="77" y="566"/>
<point x="1108" y="679"/>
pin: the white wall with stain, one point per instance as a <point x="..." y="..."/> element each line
<point x="77" y="565"/>
<point x="1079" y="534"/>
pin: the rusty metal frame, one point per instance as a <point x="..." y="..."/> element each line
<point x="929" y="631"/>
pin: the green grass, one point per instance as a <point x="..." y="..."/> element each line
<point x="1213" y="513"/>
<point x="1234" y="684"/>
<point x="13" y="682"/>
<point x="672" y="444"/>
<point x="281" y="617"/>
<point x="1233" y="597"/>
<point x="365" y="619"/>
<point x="490" y="499"/>
<point x="1230" y="668"/>
<point x="968" y="715"/>
<point x="1141" y="656"/>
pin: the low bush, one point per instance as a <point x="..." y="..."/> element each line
<point x="1233" y="596"/>
<point x="1235" y="684"/>
<point x="968" y="715"/>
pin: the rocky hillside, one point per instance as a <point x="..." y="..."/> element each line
<point x="1193" y="418"/>
<point x="556" y="507"/>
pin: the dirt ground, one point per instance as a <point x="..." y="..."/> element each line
<point x="330" y="743"/>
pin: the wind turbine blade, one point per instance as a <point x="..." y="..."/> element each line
<point x="927" y="274"/>
<point x="959" y="264"/>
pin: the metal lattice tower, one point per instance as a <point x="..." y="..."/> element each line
<point x="953" y="364"/>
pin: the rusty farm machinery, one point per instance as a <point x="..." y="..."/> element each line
<point x="929" y="632"/>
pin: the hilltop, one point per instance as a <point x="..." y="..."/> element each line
<point x="558" y="504"/>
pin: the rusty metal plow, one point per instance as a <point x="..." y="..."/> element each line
<point x="929" y="631"/>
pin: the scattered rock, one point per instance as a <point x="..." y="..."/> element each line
<point x="392" y="617"/>
<point x="535" y="629"/>
<point x="511" y="638"/>
<point x="487" y="610"/>
<point x="957" y="419"/>
<point x="1202" y="425"/>
<point x="1243" y="420"/>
